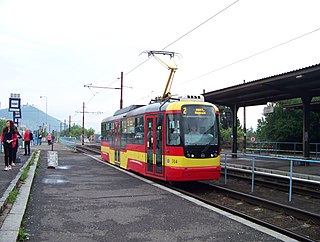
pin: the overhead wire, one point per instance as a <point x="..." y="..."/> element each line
<point x="184" y="35"/>
<point x="176" y="40"/>
<point x="251" y="56"/>
<point x="199" y="25"/>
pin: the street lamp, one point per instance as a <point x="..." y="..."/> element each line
<point x="46" y="109"/>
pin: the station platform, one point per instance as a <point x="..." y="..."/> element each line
<point x="86" y="199"/>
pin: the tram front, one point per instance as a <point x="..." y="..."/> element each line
<point x="193" y="133"/>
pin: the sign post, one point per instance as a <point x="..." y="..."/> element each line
<point x="15" y="107"/>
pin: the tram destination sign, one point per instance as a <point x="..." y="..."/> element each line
<point x="192" y="110"/>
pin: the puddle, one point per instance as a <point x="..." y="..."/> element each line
<point x="54" y="179"/>
<point x="63" y="167"/>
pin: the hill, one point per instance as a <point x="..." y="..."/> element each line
<point x="33" y="118"/>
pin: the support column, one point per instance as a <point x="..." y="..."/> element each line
<point x="306" y="126"/>
<point x="234" y="110"/>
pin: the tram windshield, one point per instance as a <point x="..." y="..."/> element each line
<point x="199" y="125"/>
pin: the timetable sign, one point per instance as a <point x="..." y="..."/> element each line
<point x="17" y="114"/>
<point x="14" y="104"/>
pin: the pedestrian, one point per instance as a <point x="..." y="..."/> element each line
<point x="49" y="139"/>
<point x="40" y="138"/>
<point x="26" y="138"/>
<point x="9" y="137"/>
<point x="15" y="144"/>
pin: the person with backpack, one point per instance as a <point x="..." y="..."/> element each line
<point x="27" y="137"/>
<point x="15" y="146"/>
<point x="9" y="138"/>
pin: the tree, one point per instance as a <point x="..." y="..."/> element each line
<point x="226" y="125"/>
<point x="285" y="125"/>
<point x="225" y="117"/>
<point x="2" y="124"/>
<point x="76" y="131"/>
<point x="89" y="132"/>
<point x="261" y="130"/>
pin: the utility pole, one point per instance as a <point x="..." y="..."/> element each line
<point x="116" y="88"/>
<point x="83" y="111"/>
<point x="121" y="91"/>
<point x="244" y="128"/>
<point x="69" y="124"/>
<point x="83" y="125"/>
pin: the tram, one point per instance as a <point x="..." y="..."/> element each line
<point x="172" y="140"/>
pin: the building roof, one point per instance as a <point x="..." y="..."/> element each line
<point x="293" y="84"/>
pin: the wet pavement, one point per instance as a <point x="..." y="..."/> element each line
<point x="85" y="199"/>
<point x="7" y="176"/>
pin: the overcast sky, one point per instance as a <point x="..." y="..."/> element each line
<point x="54" y="48"/>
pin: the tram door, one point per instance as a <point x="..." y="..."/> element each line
<point x="154" y="146"/>
<point x="117" y="140"/>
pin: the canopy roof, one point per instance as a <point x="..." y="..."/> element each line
<point x="304" y="82"/>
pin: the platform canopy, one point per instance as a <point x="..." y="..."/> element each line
<point x="304" y="82"/>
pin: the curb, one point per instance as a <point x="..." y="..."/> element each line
<point x="9" y="230"/>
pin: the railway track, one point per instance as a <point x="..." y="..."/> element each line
<point x="265" y="207"/>
<point x="305" y="188"/>
<point x="92" y="149"/>
<point x="296" y="223"/>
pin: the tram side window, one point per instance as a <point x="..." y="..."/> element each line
<point x="123" y="134"/>
<point x="173" y="130"/>
<point x="103" y="131"/>
<point x="130" y="131"/>
<point x="138" y="130"/>
<point x="111" y="135"/>
<point x="106" y="133"/>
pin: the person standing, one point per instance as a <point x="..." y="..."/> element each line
<point x="15" y="146"/>
<point x="9" y="138"/>
<point x="26" y="138"/>
<point x="49" y="139"/>
<point x="40" y="138"/>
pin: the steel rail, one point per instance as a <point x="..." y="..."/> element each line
<point x="276" y="228"/>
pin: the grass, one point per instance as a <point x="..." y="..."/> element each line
<point x="13" y="196"/>
<point x="23" y="235"/>
<point x="25" y="172"/>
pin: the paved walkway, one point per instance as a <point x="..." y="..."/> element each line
<point x="85" y="199"/>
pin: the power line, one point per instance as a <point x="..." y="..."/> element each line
<point x="199" y="25"/>
<point x="184" y="35"/>
<point x="101" y="89"/>
<point x="251" y="56"/>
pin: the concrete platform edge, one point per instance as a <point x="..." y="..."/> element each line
<point x="10" y="228"/>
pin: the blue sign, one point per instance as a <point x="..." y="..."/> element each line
<point x="17" y="114"/>
<point x="14" y="104"/>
